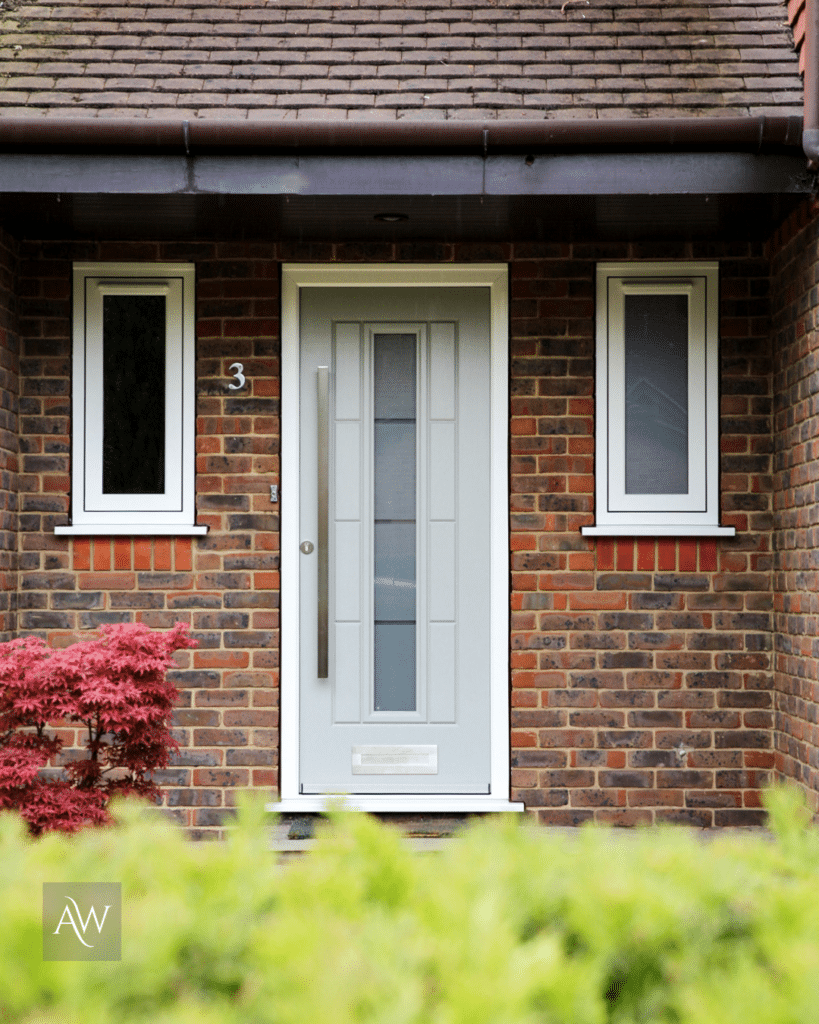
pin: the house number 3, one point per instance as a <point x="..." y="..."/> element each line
<point x="240" y="377"/>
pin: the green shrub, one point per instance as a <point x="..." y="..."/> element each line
<point x="508" y="925"/>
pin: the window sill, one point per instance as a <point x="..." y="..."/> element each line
<point x="649" y="530"/>
<point x="130" y="530"/>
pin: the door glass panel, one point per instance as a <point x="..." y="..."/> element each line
<point x="656" y="381"/>
<point x="395" y="666"/>
<point x="394" y="572"/>
<point x="133" y="394"/>
<point x="395" y="470"/>
<point x="394" y="403"/>
<point x="394" y="373"/>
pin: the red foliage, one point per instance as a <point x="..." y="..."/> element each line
<point x="115" y="687"/>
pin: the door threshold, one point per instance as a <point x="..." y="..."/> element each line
<point x="398" y="803"/>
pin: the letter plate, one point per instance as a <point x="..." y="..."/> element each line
<point x="395" y="760"/>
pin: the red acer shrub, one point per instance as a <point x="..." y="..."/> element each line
<point x="114" y="688"/>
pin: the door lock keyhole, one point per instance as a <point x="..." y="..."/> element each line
<point x="306" y="547"/>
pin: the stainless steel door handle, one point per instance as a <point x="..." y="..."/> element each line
<point x="323" y="444"/>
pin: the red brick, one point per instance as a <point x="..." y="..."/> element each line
<point x="142" y="553"/>
<point x="708" y="556"/>
<point x="688" y="554"/>
<point x="221" y="659"/>
<point x="666" y="554"/>
<point x="266" y="581"/>
<point x="583" y="601"/>
<point x="106" y="581"/>
<point x="122" y="553"/>
<point x="605" y="554"/>
<point x="82" y="553"/>
<point x="162" y="554"/>
<point x="625" y="554"/>
<point x="266" y="777"/>
<point x="102" y="554"/>
<point x="645" y="555"/>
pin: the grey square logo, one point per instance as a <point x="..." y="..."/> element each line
<point x="82" y="921"/>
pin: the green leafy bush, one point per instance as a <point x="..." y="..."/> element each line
<point x="508" y="925"/>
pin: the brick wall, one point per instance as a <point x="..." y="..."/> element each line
<point x="795" y="277"/>
<point x="621" y="652"/>
<point x="9" y="442"/>
<point x="641" y="671"/>
<point x="225" y="584"/>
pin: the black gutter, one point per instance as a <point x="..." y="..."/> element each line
<point x="810" y="135"/>
<point x="203" y="135"/>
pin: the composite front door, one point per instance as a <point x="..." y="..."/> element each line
<point x="394" y="563"/>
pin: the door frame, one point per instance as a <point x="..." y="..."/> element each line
<point x="493" y="276"/>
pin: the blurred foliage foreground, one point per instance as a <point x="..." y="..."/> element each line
<point x="507" y="924"/>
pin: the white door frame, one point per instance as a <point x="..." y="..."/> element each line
<point x="373" y="275"/>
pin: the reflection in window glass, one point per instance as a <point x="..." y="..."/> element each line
<point x="395" y="485"/>
<point x="656" y="382"/>
<point x="133" y="441"/>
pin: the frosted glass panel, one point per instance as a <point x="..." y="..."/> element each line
<point x="394" y="483"/>
<point x="395" y="572"/>
<point x="656" y="382"/>
<point x="395" y="469"/>
<point x="395" y="666"/>
<point x="394" y="373"/>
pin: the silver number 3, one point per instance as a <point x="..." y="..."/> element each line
<point x="238" y="367"/>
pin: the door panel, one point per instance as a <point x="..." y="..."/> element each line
<point x="405" y="707"/>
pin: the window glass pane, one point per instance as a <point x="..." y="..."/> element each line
<point x="133" y="424"/>
<point x="656" y="382"/>
<point x="395" y="486"/>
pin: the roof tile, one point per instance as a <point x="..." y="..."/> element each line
<point x="389" y="59"/>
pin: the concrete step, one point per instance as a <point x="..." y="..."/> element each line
<point x="423" y="833"/>
<point x="426" y="833"/>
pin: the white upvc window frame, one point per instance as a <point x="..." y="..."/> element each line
<point x="92" y="511"/>
<point x="695" y="513"/>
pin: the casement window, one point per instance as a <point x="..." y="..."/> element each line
<point x="657" y="400"/>
<point x="133" y="400"/>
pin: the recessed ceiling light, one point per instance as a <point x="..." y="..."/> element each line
<point x="391" y="218"/>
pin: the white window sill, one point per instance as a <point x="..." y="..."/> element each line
<point x="130" y="530"/>
<point x="649" y="530"/>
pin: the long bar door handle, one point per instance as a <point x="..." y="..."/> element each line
<point x="323" y="496"/>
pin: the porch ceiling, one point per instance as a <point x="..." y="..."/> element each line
<point x="429" y="218"/>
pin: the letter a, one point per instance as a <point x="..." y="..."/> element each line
<point x="71" y="922"/>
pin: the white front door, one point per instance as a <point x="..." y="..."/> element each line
<point x="397" y="646"/>
<point x="394" y="399"/>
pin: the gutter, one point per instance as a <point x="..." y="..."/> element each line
<point x="810" y="135"/>
<point x="205" y="135"/>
